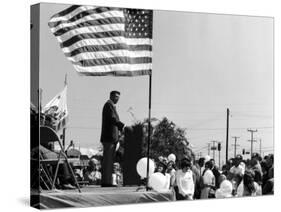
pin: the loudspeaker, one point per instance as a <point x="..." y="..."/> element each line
<point x="134" y="137"/>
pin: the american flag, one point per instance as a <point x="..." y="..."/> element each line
<point x="101" y="41"/>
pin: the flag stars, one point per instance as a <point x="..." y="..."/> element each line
<point x="137" y="23"/>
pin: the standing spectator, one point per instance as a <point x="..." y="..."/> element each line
<point x="268" y="181"/>
<point x="255" y="163"/>
<point x="257" y="158"/>
<point x="196" y="176"/>
<point x="236" y="173"/>
<point x="201" y="163"/>
<point x="248" y="186"/>
<point x="184" y="181"/>
<point x="208" y="182"/>
<point x="162" y="168"/>
<point x="171" y="170"/>
<point x="216" y="173"/>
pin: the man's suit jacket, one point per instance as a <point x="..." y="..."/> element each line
<point x="110" y="123"/>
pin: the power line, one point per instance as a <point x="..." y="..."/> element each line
<point x="234" y="128"/>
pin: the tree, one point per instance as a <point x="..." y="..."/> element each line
<point x="166" y="138"/>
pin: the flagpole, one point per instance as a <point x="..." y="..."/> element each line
<point x="40" y="92"/>
<point x="64" y="129"/>
<point x="149" y="131"/>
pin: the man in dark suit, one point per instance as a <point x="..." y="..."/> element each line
<point x="111" y="126"/>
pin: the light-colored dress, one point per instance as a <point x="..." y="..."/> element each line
<point x="208" y="179"/>
<point x="185" y="183"/>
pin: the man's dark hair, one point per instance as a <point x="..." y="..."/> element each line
<point x="185" y="163"/>
<point x="209" y="165"/>
<point x="201" y="162"/>
<point x="248" y="180"/>
<point x="114" y="92"/>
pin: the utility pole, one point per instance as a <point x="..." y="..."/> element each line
<point x="235" y="144"/>
<point x="227" y="129"/>
<point x="209" y="149"/>
<point x="214" y="149"/>
<point x="219" y="150"/>
<point x="252" y="139"/>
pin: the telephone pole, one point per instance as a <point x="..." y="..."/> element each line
<point x="209" y="148"/>
<point x="214" y="149"/>
<point x="235" y="144"/>
<point x="227" y="129"/>
<point x="252" y="139"/>
<point x="219" y="150"/>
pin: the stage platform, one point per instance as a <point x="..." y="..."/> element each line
<point x="97" y="196"/>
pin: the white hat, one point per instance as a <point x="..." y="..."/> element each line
<point x="225" y="189"/>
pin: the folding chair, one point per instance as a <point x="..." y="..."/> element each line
<point x="47" y="137"/>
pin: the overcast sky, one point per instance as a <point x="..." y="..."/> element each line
<point x="202" y="65"/>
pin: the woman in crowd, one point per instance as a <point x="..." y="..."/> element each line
<point x="171" y="170"/>
<point x="248" y="186"/>
<point x="184" y="181"/>
<point x="208" y="181"/>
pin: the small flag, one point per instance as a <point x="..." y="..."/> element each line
<point x="102" y="41"/>
<point x="56" y="110"/>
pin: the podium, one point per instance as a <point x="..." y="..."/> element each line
<point x="134" y="138"/>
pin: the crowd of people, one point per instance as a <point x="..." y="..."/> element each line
<point x="91" y="174"/>
<point x="203" y="179"/>
<point x="200" y="179"/>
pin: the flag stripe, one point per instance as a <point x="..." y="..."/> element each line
<point x="85" y="12"/>
<point x="109" y="47"/>
<point x="66" y="11"/>
<point x="113" y="60"/>
<point x="76" y="38"/>
<point x="89" y="23"/>
<point x="110" y="54"/>
<point x="92" y="30"/>
<point x="105" y="41"/>
<point x="69" y="14"/>
<point x="115" y="67"/>
<point x="117" y="73"/>
<point x="90" y="17"/>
